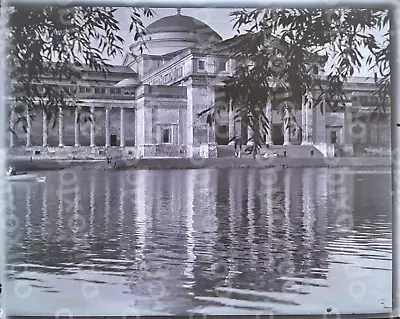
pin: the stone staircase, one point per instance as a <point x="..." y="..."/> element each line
<point x="298" y="151"/>
<point x="293" y="150"/>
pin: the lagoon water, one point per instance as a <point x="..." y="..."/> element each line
<point x="228" y="241"/>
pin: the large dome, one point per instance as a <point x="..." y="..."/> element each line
<point x="181" y="23"/>
<point x="177" y="32"/>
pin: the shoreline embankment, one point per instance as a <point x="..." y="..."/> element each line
<point x="26" y="164"/>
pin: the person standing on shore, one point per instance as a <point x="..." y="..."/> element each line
<point x="11" y="171"/>
<point x="238" y="146"/>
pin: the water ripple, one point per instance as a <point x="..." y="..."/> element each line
<point x="201" y="241"/>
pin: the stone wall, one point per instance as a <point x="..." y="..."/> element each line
<point x="201" y="95"/>
<point x="373" y="133"/>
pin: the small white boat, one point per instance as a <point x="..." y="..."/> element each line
<point x="25" y="178"/>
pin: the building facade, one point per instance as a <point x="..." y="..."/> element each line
<point x="149" y="107"/>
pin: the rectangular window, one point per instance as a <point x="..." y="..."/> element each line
<point x="222" y="66"/>
<point x="166" y="135"/>
<point x="364" y="100"/>
<point x="374" y="134"/>
<point x="333" y="137"/>
<point x="201" y="65"/>
<point x="315" y="69"/>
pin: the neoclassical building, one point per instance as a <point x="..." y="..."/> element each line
<point x="148" y="107"/>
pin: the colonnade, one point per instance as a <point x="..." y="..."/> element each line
<point x="307" y="125"/>
<point x="77" y="127"/>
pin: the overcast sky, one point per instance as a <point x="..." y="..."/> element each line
<point x="217" y="18"/>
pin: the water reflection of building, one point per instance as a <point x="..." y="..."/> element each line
<point x="92" y="201"/>
<point x="28" y="209"/>
<point x="158" y="227"/>
<point x="107" y="203"/>
<point x="141" y="217"/>
<point x="190" y="227"/>
<point x="253" y="251"/>
<point x="251" y="192"/>
<point x="287" y="211"/>
<point x="322" y="202"/>
<point x="309" y="212"/>
<point x="44" y="220"/>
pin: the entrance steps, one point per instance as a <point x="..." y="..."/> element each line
<point x="298" y="151"/>
<point x="293" y="150"/>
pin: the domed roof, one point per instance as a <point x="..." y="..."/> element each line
<point x="182" y="23"/>
<point x="174" y="33"/>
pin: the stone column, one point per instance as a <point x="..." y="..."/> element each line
<point x="249" y="135"/>
<point x="92" y="136"/>
<point x="307" y="118"/>
<point x="378" y="133"/>
<point x="231" y="117"/>
<point x="12" y="134"/>
<point x="182" y="126"/>
<point x="45" y="129"/>
<point x="29" y="129"/>
<point x="348" y="127"/>
<point x="154" y="126"/>
<point x="191" y="104"/>
<point x="320" y="121"/>
<point x="77" y="126"/>
<point x="195" y="126"/>
<point x="286" y="128"/>
<point x="107" y="123"/>
<point x="268" y="115"/>
<point x="212" y="133"/>
<point x="122" y="124"/>
<point x="149" y="127"/>
<point x="303" y="122"/>
<point x="60" y="127"/>
<point x="310" y="122"/>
